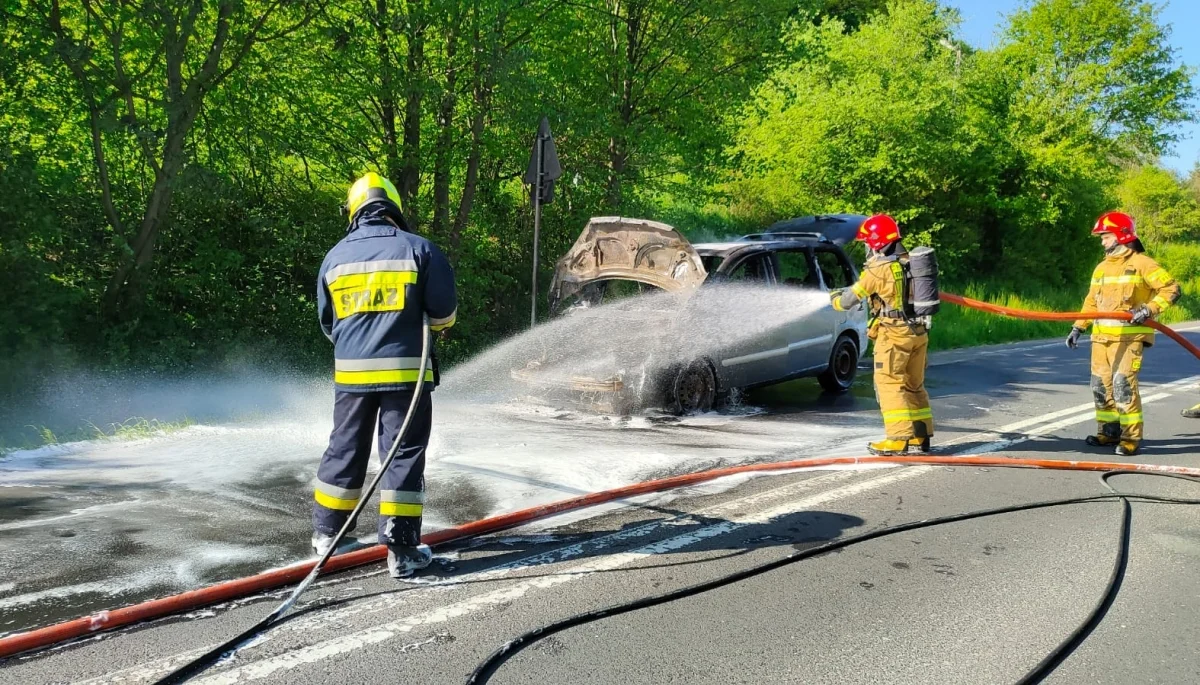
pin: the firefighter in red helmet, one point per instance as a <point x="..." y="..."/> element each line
<point x="1126" y="281"/>
<point x="901" y="343"/>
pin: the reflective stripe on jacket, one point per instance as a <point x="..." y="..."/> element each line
<point x="372" y="290"/>
<point x="880" y="287"/>
<point x="1121" y="283"/>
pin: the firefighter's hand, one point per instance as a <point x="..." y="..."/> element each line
<point x="835" y="295"/>
<point x="1139" y="314"/>
<point x="1073" y="338"/>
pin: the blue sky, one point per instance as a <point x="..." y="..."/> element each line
<point x="983" y="19"/>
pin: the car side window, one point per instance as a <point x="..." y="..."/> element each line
<point x="752" y="270"/>
<point x="796" y="270"/>
<point x="834" y="269"/>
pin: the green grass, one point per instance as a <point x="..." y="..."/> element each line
<point x="134" y="428"/>
<point x="956" y="327"/>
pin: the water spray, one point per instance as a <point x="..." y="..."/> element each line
<point x="230" y="647"/>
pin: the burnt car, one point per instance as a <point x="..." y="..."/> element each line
<point x="725" y="317"/>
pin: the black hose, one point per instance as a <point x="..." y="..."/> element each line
<point x="230" y="646"/>
<point x="489" y="666"/>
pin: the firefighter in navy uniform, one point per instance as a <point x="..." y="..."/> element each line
<point x="901" y="341"/>
<point x="1126" y="281"/>
<point x="373" y="289"/>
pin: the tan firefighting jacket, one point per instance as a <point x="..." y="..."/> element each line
<point x="881" y="287"/>
<point x="1122" y="282"/>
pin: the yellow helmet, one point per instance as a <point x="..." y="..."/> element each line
<point x="370" y="188"/>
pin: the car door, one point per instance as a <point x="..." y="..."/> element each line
<point x="761" y="356"/>
<point x="838" y="274"/>
<point x="809" y="331"/>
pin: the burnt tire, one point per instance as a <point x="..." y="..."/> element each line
<point x="693" y="388"/>
<point x="843" y="366"/>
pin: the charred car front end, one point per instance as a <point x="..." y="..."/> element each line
<point x="621" y="353"/>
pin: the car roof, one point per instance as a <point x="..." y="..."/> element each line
<point x="838" y="228"/>
<point x="763" y="242"/>
<point x="802" y="231"/>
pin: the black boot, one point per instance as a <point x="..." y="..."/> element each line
<point x="918" y="445"/>
<point x="404" y="561"/>
<point x="1127" y="448"/>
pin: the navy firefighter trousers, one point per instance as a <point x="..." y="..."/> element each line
<point x="343" y="469"/>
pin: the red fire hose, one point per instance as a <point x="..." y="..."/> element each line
<point x="242" y="587"/>
<point x="1066" y="316"/>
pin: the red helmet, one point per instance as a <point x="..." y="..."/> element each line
<point x="1119" y="224"/>
<point x="879" y="231"/>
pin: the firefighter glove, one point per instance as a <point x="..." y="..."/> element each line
<point x="1140" y="314"/>
<point x="1073" y="338"/>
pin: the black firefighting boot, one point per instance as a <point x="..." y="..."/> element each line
<point x="1191" y="413"/>
<point x="321" y="542"/>
<point x="1127" y="448"/>
<point x="404" y="561"/>
<point x="1109" y="435"/>
<point x="918" y="445"/>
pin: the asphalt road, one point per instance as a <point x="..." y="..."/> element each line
<point x="973" y="602"/>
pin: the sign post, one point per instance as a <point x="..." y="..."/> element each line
<point x="543" y="170"/>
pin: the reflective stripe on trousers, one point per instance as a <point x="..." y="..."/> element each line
<point x="1115" y="369"/>
<point x="900" y="358"/>
<point x="358" y="419"/>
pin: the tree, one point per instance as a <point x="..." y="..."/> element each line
<point x="658" y="73"/>
<point x="1164" y="208"/>
<point x="143" y="71"/>
<point x="862" y="122"/>
<point x="1001" y="158"/>
<point x="1100" y="69"/>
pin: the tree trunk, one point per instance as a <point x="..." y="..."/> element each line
<point x="445" y="142"/>
<point x="481" y="93"/>
<point x="618" y="144"/>
<point x="410" y="171"/>
<point x="387" y="93"/>
<point x="122" y="287"/>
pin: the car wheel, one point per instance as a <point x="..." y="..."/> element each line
<point x="694" y="389"/>
<point x="843" y="366"/>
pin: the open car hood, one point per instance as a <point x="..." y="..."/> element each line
<point x="633" y="249"/>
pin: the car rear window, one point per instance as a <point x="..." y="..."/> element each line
<point x="837" y="274"/>
<point x="795" y="269"/>
<point x="754" y="268"/>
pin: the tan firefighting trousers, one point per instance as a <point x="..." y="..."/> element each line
<point x="900" y="356"/>
<point x="1115" y="367"/>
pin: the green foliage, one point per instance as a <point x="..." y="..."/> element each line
<point x="956" y="327"/>
<point x="984" y="155"/>
<point x="166" y="204"/>
<point x="860" y="122"/>
<point x="1182" y="260"/>
<point x="1166" y="209"/>
<point x="135" y="428"/>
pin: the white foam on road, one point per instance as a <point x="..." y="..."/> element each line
<point x="380" y="633"/>
<point x="388" y="604"/>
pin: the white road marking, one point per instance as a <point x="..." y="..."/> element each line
<point x="381" y="633"/>
<point x="1076" y="416"/>
<point x="313" y="653"/>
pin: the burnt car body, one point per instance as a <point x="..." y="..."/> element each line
<point x="649" y="366"/>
